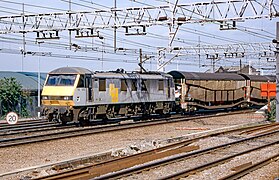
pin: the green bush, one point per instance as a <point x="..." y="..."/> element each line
<point x="271" y="116"/>
<point x="12" y="98"/>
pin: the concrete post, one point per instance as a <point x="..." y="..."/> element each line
<point x="277" y="71"/>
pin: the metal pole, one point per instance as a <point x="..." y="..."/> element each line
<point x="70" y="22"/>
<point x="39" y="85"/>
<point x="268" y="97"/>
<point x="23" y="34"/>
<point x="103" y="49"/>
<point x="199" y="45"/>
<point x="277" y="71"/>
<point x="114" y="26"/>
<point x="140" y="51"/>
<point x="22" y="61"/>
<point x="23" y="38"/>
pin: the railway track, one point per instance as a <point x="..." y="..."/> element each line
<point x="4" y="125"/>
<point x="33" y="129"/>
<point x="27" y="125"/>
<point x="6" y="142"/>
<point x="31" y="126"/>
<point x="248" y="168"/>
<point x="100" y="170"/>
<point x="218" y="161"/>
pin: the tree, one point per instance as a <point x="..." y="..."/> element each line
<point x="12" y="97"/>
<point x="271" y="116"/>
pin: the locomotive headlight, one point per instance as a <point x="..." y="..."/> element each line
<point x="44" y="98"/>
<point x="66" y="98"/>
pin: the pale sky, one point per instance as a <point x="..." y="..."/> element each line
<point x="249" y="31"/>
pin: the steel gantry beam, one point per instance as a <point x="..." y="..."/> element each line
<point x="265" y="51"/>
<point x="229" y="50"/>
<point x="177" y="14"/>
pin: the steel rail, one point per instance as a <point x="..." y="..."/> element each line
<point x="4" y="126"/>
<point x="169" y="160"/>
<point x="86" y="131"/>
<point x="91" y="171"/>
<point x="188" y="172"/>
<point x="124" y="162"/>
<point x="74" y="133"/>
<point x="27" y="121"/>
<point x="31" y="126"/>
<point x="94" y="130"/>
<point x="251" y="168"/>
<point x="50" y="127"/>
<point x="247" y="132"/>
<point x="75" y="164"/>
<point x="276" y="127"/>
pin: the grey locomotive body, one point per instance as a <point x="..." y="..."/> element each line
<point x="95" y="95"/>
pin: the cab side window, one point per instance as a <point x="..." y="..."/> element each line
<point x="102" y="84"/>
<point x="134" y="85"/>
<point x="143" y="85"/>
<point x="161" y="85"/>
<point x="81" y="82"/>
<point x="123" y="85"/>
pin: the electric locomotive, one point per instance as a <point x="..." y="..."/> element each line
<point x="74" y="94"/>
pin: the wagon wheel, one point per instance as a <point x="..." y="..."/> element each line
<point x="166" y="109"/>
<point x="135" y="109"/>
<point x="64" y="123"/>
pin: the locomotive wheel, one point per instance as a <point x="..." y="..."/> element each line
<point x="110" y="112"/>
<point x="83" y="118"/>
<point x="50" y="117"/>
<point x="83" y="122"/>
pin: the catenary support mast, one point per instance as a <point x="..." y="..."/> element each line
<point x="277" y="71"/>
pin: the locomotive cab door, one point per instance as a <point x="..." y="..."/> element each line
<point x="88" y="85"/>
<point x="169" y="87"/>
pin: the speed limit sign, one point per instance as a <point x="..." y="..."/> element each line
<point x="12" y="118"/>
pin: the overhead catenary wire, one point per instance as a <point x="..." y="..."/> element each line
<point x="95" y="3"/>
<point x="78" y="57"/>
<point x="225" y="39"/>
<point x="32" y="5"/>
<point x="139" y="44"/>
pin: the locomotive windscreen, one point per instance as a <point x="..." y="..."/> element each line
<point x="61" y="80"/>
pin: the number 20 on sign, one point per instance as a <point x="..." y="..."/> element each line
<point x="12" y="118"/>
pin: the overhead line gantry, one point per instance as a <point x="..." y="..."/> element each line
<point x="178" y="14"/>
<point x="89" y="23"/>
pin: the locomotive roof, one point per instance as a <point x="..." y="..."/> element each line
<point x="71" y="70"/>
<point x="205" y="76"/>
<point x="110" y="74"/>
<point x="131" y="75"/>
